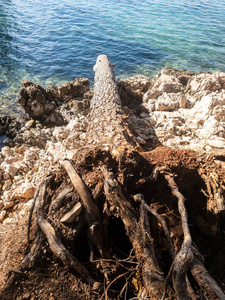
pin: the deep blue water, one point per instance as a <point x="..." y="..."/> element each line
<point x="54" y="41"/>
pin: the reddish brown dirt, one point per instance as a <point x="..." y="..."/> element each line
<point x="165" y="156"/>
<point x="51" y="280"/>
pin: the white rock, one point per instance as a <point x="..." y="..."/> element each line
<point x="60" y="133"/>
<point x="10" y="169"/>
<point x="205" y="83"/>
<point x="6" y="151"/>
<point x="7" y="185"/>
<point x="31" y="154"/>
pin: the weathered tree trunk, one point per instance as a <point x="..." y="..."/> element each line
<point x="107" y="128"/>
<point x="111" y="155"/>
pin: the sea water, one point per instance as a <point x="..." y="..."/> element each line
<point x="52" y="41"/>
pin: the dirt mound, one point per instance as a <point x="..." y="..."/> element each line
<point x="50" y="279"/>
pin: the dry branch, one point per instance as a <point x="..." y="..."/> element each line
<point x="54" y="242"/>
<point x="138" y="232"/>
<point x="184" y="257"/>
<point x="95" y="233"/>
<point x="209" y="286"/>
<point x="58" y="201"/>
<point x="140" y="198"/>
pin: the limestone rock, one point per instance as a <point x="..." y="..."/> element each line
<point x="205" y="83"/>
<point x="209" y="115"/>
<point x="167" y="102"/>
<point x="10" y="125"/>
<point x="10" y="169"/>
<point x="1" y="204"/>
<point x="163" y="84"/>
<point x="53" y="92"/>
<point x="41" y="104"/>
<point x="133" y="89"/>
<point x="60" y="133"/>
<point x="7" y="185"/>
<point x="74" y="89"/>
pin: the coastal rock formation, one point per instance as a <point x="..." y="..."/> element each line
<point x="119" y="204"/>
<point x="132" y="90"/>
<point x="40" y="103"/>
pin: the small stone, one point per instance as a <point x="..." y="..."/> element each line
<point x="140" y="140"/>
<point x="26" y="296"/>
<point x="2" y="215"/>
<point x="60" y="133"/>
<point x="1" y="204"/>
<point x="30" y="155"/>
<point x="6" y="151"/>
<point x="10" y="169"/>
<point x="30" y="124"/>
<point x="25" y="191"/>
<point x="7" y="185"/>
<point x="9" y="204"/>
<point x="144" y="115"/>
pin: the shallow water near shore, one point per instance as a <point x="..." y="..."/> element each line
<point x="50" y="41"/>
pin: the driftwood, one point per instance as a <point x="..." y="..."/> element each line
<point x="120" y="195"/>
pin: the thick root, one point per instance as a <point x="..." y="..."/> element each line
<point x="55" y="243"/>
<point x="139" y="235"/>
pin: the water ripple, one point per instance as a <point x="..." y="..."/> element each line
<point x="53" y="41"/>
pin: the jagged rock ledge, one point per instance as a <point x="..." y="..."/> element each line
<point x="178" y="109"/>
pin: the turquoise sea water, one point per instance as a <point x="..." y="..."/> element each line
<point x="54" y="41"/>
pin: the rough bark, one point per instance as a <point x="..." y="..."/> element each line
<point x="107" y="129"/>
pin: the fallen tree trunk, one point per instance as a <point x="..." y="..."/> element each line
<point x="117" y="185"/>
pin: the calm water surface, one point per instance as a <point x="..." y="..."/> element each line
<point x="54" y="41"/>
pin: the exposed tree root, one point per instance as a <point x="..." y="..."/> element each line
<point x="132" y="235"/>
<point x="208" y="285"/>
<point x="55" y="243"/>
<point x="184" y="257"/>
<point x="139" y="234"/>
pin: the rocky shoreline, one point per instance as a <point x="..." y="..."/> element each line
<point x="177" y="109"/>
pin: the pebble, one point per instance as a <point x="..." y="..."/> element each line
<point x="5" y="176"/>
<point x="1" y="204"/>
<point x="7" y="185"/>
<point x="25" y="191"/>
<point x="2" y="215"/>
<point x="26" y="296"/>
<point x="10" y="169"/>
<point x="9" y="204"/>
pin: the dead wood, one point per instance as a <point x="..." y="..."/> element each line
<point x="95" y="232"/>
<point x="139" y="234"/>
<point x="55" y="243"/>
<point x="140" y="198"/>
<point x="208" y="285"/>
<point x="184" y="257"/>
<point x="64" y="195"/>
